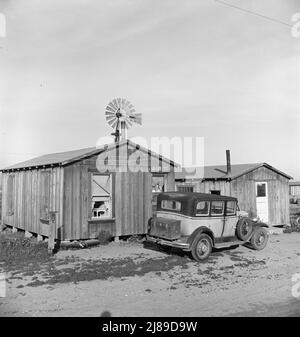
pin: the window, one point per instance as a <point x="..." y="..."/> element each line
<point x="10" y="194"/>
<point x="217" y="207"/>
<point x="261" y="190"/>
<point x="171" y="205"/>
<point x="45" y="195"/>
<point x="230" y="207"/>
<point x="101" y="196"/>
<point x="158" y="184"/>
<point x="217" y="192"/>
<point x="202" y="208"/>
<point x="185" y="188"/>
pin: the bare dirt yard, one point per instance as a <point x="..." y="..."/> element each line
<point x="137" y="279"/>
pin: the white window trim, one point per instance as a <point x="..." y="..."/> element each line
<point x="110" y="216"/>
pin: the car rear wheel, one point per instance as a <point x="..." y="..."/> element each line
<point x="259" y="238"/>
<point x="201" y="247"/>
<point x="244" y="229"/>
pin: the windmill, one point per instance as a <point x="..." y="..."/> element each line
<point x="120" y="115"/>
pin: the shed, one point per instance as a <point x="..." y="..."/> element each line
<point x="261" y="189"/>
<point x="93" y="189"/>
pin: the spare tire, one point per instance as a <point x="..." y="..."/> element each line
<point x="244" y="229"/>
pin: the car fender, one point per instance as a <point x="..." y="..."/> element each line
<point x="199" y="230"/>
<point x="259" y="224"/>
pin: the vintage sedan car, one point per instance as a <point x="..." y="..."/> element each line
<point x="197" y="222"/>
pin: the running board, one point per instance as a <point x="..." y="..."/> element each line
<point x="229" y="244"/>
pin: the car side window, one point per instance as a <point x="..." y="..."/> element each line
<point x="217" y="208"/>
<point x="171" y="205"/>
<point x="202" y="208"/>
<point x="230" y="207"/>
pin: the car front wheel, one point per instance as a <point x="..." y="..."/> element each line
<point x="259" y="238"/>
<point x="201" y="247"/>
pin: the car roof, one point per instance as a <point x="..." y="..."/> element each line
<point x="191" y="196"/>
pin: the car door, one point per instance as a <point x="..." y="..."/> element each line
<point x="216" y="219"/>
<point x="230" y="219"/>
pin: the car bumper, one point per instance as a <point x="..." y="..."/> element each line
<point x="175" y="243"/>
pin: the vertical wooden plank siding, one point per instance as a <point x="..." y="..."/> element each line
<point x="84" y="201"/>
<point x="76" y="220"/>
<point x="28" y="193"/>
<point x="133" y="202"/>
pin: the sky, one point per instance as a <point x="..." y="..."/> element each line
<point x="228" y="71"/>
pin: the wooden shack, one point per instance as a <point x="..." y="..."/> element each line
<point x="261" y="189"/>
<point x="94" y="189"/>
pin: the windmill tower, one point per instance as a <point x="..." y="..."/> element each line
<point x="120" y="115"/>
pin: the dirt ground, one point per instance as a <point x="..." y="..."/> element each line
<point x="137" y="279"/>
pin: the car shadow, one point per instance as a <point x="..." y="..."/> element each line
<point x="165" y="249"/>
<point x="179" y="252"/>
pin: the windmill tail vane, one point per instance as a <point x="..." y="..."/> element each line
<point x="120" y="115"/>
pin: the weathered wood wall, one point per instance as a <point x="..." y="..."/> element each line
<point x="133" y="206"/>
<point x="207" y="186"/>
<point x="27" y="197"/>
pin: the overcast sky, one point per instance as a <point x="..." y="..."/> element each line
<point x="192" y="68"/>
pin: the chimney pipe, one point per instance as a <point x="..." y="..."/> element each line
<point x="228" y="163"/>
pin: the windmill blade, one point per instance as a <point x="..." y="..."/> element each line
<point x="115" y="123"/>
<point x="110" y="118"/>
<point x="136" y="118"/>
<point x="110" y="109"/>
<point x="115" y="103"/>
<point x="112" y="122"/>
<point x="109" y="114"/>
<point x="128" y="123"/>
<point x="119" y="101"/>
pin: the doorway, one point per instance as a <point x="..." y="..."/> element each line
<point x="262" y="203"/>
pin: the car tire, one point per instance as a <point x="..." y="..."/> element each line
<point x="244" y="229"/>
<point x="201" y="247"/>
<point x="259" y="238"/>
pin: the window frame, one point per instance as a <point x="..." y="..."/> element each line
<point x="235" y="208"/>
<point x="264" y="183"/>
<point x="223" y="208"/>
<point x="208" y="210"/>
<point x="110" y="216"/>
<point x="168" y="208"/>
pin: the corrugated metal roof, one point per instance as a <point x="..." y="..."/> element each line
<point x="220" y="171"/>
<point x="67" y="157"/>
